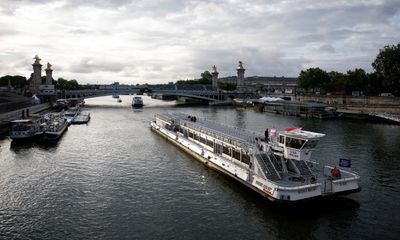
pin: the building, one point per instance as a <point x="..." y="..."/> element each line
<point x="41" y="86"/>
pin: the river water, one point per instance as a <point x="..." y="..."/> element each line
<point x="115" y="179"/>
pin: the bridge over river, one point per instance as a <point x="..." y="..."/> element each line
<point x="202" y="93"/>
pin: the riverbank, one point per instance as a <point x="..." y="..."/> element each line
<point x="363" y="104"/>
<point x="6" y="118"/>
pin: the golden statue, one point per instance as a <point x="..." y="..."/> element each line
<point x="240" y="65"/>
<point x="214" y="69"/>
<point x="49" y="66"/>
<point x="37" y="59"/>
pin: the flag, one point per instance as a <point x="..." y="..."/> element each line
<point x="344" y="162"/>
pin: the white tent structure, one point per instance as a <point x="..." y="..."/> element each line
<point x="35" y="99"/>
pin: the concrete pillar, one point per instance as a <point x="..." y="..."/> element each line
<point x="214" y="74"/>
<point x="49" y="74"/>
<point x="37" y="75"/>
<point x="240" y="75"/>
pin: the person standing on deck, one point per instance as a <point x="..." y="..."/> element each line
<point x="272" y="134"/>
<point x="266" y="135"/>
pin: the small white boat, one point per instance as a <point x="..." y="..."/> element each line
<point x="137" y="102"/>
<point x="27" y="128"/>
<point x="55" y="127"/>
<point x="83" y="117"/>
<point x="115" y="96"/>
<point x="119" y="100"/>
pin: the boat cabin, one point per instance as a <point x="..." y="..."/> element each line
<point x="297" y="144"/>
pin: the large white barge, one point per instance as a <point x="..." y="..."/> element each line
<point x="279" y="168"/>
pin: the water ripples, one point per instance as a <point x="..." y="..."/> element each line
<point x="114" y="178"/>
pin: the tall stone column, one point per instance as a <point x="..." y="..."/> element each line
<point x="214" y="74"/>
<point x="240" y="76"/>
<point x="37" y="75"/>
<point x="49" y="74"/>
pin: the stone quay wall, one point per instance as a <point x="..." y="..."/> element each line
<point x="362" y="103"/>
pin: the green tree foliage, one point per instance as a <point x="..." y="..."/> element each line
<point x="314" y="78"/>
<point x="337" y="81"/>
<point x="62" y="84"/>
<point x="16" y="81"/>
<point x="206" y="78"/>
<point x="226" y="86"/>
<point x="386" y="77"/>
<point x="356" y="80"/>
<point x="387" y="63"/>
<point x="375" y="84"/>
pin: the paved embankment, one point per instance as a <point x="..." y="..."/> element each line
<point x="5" y="118"/>
<point x="364" y="104"/>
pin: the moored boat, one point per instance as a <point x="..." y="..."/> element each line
<point x="71" y="113"/>
<point x="83" y="117"/>
<point x="279" y="167"/>
<point x="55" y="127"/>
<point x="28" y="128"/>
<point x="137" y="102"/>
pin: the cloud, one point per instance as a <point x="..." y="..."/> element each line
<point x="166" y="40"/>
<point x="88" y="65"/>
<point x="327" y="48"/>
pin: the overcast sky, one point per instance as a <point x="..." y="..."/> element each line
<point x="157" y="41"/>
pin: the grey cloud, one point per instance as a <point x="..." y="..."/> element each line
<point x="257" y="61"/>
<point x="166" y="39"/>
<point x="90" y="65"/>
<point x="80" y="31"/>
<point x="8" y="32"/>
<point x="327" y="48"/>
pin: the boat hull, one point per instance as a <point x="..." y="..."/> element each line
<point x="137" y="105"/>
<point x="23" y="138"/>
<point x="55" y="135"/>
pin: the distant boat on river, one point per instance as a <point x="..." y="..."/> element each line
<point x="137" y="102"/>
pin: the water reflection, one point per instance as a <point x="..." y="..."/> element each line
<point x="292" y="221"/>
<point x="240" y="119"/>
<point x="114" y="178"/>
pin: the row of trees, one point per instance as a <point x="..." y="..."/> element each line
<point x="15" y="81"/>
<point x="206" y="78"/>
<point x="63" y="84"/>
<point x="386" y="77"/>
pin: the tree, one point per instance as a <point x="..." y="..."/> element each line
<point x="375" y="81"/>
<point x="206" y="78"/>
<point x="227" y="86"/>
<point x="337" y="82"/>
<point x="313" y="78"/>
<point x="387" y="63"/>
<point x="357" y="80"/>
<point x="63" y="84"/>
<point x="16" y="81"/>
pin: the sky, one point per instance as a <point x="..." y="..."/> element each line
<point x="158" y="41"/>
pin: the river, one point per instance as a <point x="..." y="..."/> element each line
<point x="115" y="179"/>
